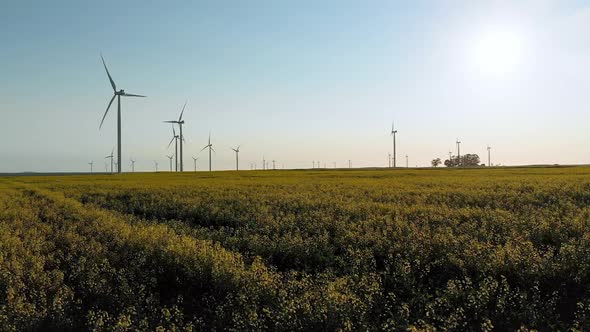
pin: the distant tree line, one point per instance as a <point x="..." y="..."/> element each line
<point x="466" y="160"/>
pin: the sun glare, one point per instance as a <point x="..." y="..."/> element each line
<point x="498" y="52"/>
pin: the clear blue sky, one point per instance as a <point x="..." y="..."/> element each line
<point x="295" y="81"/>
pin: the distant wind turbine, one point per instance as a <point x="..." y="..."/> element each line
<point x="237" y="151"/>
<point x="117" y="94"/>
<point x="489" y="157"/>
<point x="195" y="162"/>
<point x="111" y="157"/>
<point x="91" y="163"/>
<point x="132" y="165"/>
<point x="210" y="146"/>
<point x="180" y="122"/>
<point x="170" y="157"/>
<point x="393" y="132"/>
<point x="406" y="161"/>
<point x="263" y="163"/>
<point x="106" y="167"/>
<point x="458" y="153"/>
<point x="156" y="166"/>
<point x="175" y="140"/>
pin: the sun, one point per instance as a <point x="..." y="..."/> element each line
<point x="499" y="52"/>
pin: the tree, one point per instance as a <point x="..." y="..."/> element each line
<point x="436" y="162"/>
<point x="467" y="160"/>
<point x="470" y="160"/>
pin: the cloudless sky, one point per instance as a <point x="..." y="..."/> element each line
<point x="295" y="81"/>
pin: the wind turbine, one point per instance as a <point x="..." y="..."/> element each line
<point x="489" y="159"/>
<point x="106" y="167"/>
<point x="117" y="94"/>
<point x="174" y="138"/>
<point x="263" y="163"/>
<point x="116" y="163"/>
<point x="91" y="163"/>
<point x="132" y="165"/>
<point x="210" y="146"/>
<point x="180" y="122"/>
<point x="458" y="153"/>
<point x="195" y="162"/>
<point x="237" y="151"/>
<point x="393" y="132"/>
<point x="406" y="161"/>
<point x="170" y="157"/>
<point x="389" y="159"/>
<point x="156" y="166"/>
<point x="111" y="157"/>
<point x="349" y="163"/>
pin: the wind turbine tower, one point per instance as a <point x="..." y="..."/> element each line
<point x="195" y="162"/>
<point x="175" y="139"/>
<point x="210" y="146"/>
<point x="132" y="165"/>
<point x="237" y="151"/>
<point x="458" y="153"/>
<point x="406" y="161"/>
<point x="489" y="156"/>
<point x="156" y="166"/>
<point x="170" y="157"/>
<point x="393" y="132"/>
<point x="111" y="157"/>
<point x="180" y="122"/>
<point x="91" y="163"/>
<point x="117" y="94"/>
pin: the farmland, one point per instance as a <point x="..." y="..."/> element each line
<point x="448" y="249"/>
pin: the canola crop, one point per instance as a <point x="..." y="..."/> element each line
<point x="342" y="250"/>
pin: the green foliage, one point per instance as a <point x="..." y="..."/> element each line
<point x="464" y="249"/>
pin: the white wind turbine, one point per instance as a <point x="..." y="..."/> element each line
<point x="210" y="146"/>
<point x="132" y="165"/>
<point x="111" y="157"/>
<point x="195" y="162"/>
<point x="91" y="163"/>
<point x="180" y="122"/>
<point x="117" y="94"/>
<point x="237" y="151"/>
<point x="170" y="157"/>
<point x="174" y="138"/>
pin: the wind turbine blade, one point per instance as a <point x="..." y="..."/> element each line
<point x="105" y="113"/>
<point x="213" y="149"/>
<point x="109" y="74"/>
<point x="131" y="95"/>
<point x="173" y="131"/>
<point x="204" y="148"/>
<point x="182" y="112"/>
<point x="172" y="140"/>
<point x="170" y="121"/>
